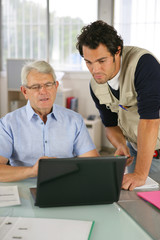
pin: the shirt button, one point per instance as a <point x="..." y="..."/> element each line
<point x="42" y="123"/>
<point x="45" y="141"/>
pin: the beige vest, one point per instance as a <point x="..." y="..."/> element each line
<point x="127" y="120"/>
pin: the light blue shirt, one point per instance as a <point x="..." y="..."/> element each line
<point x="24" y="137"/>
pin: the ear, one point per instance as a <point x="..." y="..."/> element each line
<point x="119" y="50"/>
<point x="24" y="92"/>
<point x="57" y="84"/>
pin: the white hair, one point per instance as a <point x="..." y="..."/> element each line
<point x="39" y="66"/>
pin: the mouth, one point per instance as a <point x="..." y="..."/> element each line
<point x="44" y="99"/>
<point x="98" y="76"/>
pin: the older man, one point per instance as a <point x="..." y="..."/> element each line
<point x="41" y="128"/>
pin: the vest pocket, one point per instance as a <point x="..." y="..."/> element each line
<point x="128" y="122"/>
<point x="130" y="137"/>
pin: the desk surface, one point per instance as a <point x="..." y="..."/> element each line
<point x="111" y="220"/>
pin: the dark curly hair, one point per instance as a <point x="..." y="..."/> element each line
<point x="99" y="32"/>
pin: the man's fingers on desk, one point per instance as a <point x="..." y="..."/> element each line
<point x="128" y="186"/>
<point x="131" y="181"/>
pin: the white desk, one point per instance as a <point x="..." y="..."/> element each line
<point x="111" y="221"/>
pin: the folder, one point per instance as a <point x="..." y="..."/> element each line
<point x="68" y="102"/>
<point x="74" y="104"/>
<point x="44" y="228"/>
<point x="152" y="197"/>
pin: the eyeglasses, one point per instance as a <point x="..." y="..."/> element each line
<point x="37" y="87"/>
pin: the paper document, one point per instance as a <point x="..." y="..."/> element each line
<point x="43" y="228"/>
<point x="150" y="183"/>
<point x="152" y="197"/>
<point x="9" y="196"/>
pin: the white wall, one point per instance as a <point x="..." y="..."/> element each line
<point x="79" y="82"/>
<point x="105" y="10"/>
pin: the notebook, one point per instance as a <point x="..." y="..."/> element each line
<point x="79" y="181"/>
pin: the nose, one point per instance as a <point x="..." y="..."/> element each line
<point x="95" y="67"/>
<point x="43" y="89"/>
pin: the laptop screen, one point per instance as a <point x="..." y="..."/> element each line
<point x="79" y="181"/>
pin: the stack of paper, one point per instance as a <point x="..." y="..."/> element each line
<point x="150" y="183"/>
<point x="9" y="196"/>
<point x="152" y="197"/>
<point x="48" y="229"/>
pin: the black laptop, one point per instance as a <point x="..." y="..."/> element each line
<point x="79" y="181"/>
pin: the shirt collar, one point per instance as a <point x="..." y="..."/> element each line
<point x="114" y="82"/>
<point x="55" y="112"/>
<point x="31" y="113"/>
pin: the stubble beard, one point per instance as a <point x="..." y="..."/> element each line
<point x="101" y="80"/>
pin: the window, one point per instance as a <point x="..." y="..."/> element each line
<point x="25" y="30"/>
<point x="66" y="20"/>
<point x="138" y="22"/>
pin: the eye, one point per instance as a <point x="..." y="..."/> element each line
<point x="88" y="63"/>
<point x="48" y="84"/>
<point x="101" y="61"/>
<point x="35" y="87"/>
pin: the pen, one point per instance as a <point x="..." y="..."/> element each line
<point x="123" y="107"/>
